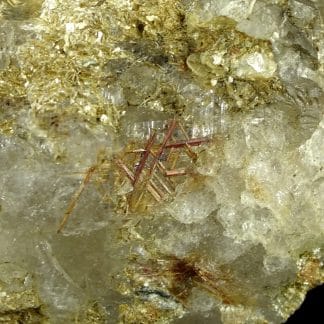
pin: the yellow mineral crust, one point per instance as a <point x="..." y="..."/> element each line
<point x="310" y="274"/>
<point x="63" y="66"/>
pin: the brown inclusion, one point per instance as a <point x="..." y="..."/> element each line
<point x="159" y="164"/>
<point x="152" y="175"/>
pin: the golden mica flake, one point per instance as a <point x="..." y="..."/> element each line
<point x="6" y="127"/>
<point x="310" y="274"/>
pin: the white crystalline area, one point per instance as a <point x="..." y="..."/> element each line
<point x="255" y="65"/>
<point x="187" y="208"/>
<point x="235" y="9"/>
<point x="313" y="149"/>
<point x="240" y="10"/>
<point x="268" y="189"/>
<point x="277" y="200"/>
<point x="268" y="20"/>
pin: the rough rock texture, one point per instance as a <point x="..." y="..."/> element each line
<point x="180" y="145"/>
<point x="19" y="302"/>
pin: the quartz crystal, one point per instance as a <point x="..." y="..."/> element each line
<point x="161" y="161"/>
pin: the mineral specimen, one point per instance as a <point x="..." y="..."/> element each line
<point x="177" y="146"/>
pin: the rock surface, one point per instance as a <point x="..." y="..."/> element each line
<point x="182" y="145"/>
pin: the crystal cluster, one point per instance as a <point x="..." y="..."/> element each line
<point x="180" y="145"/>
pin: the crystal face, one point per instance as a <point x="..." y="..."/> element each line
<point x="161" y="161"/>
